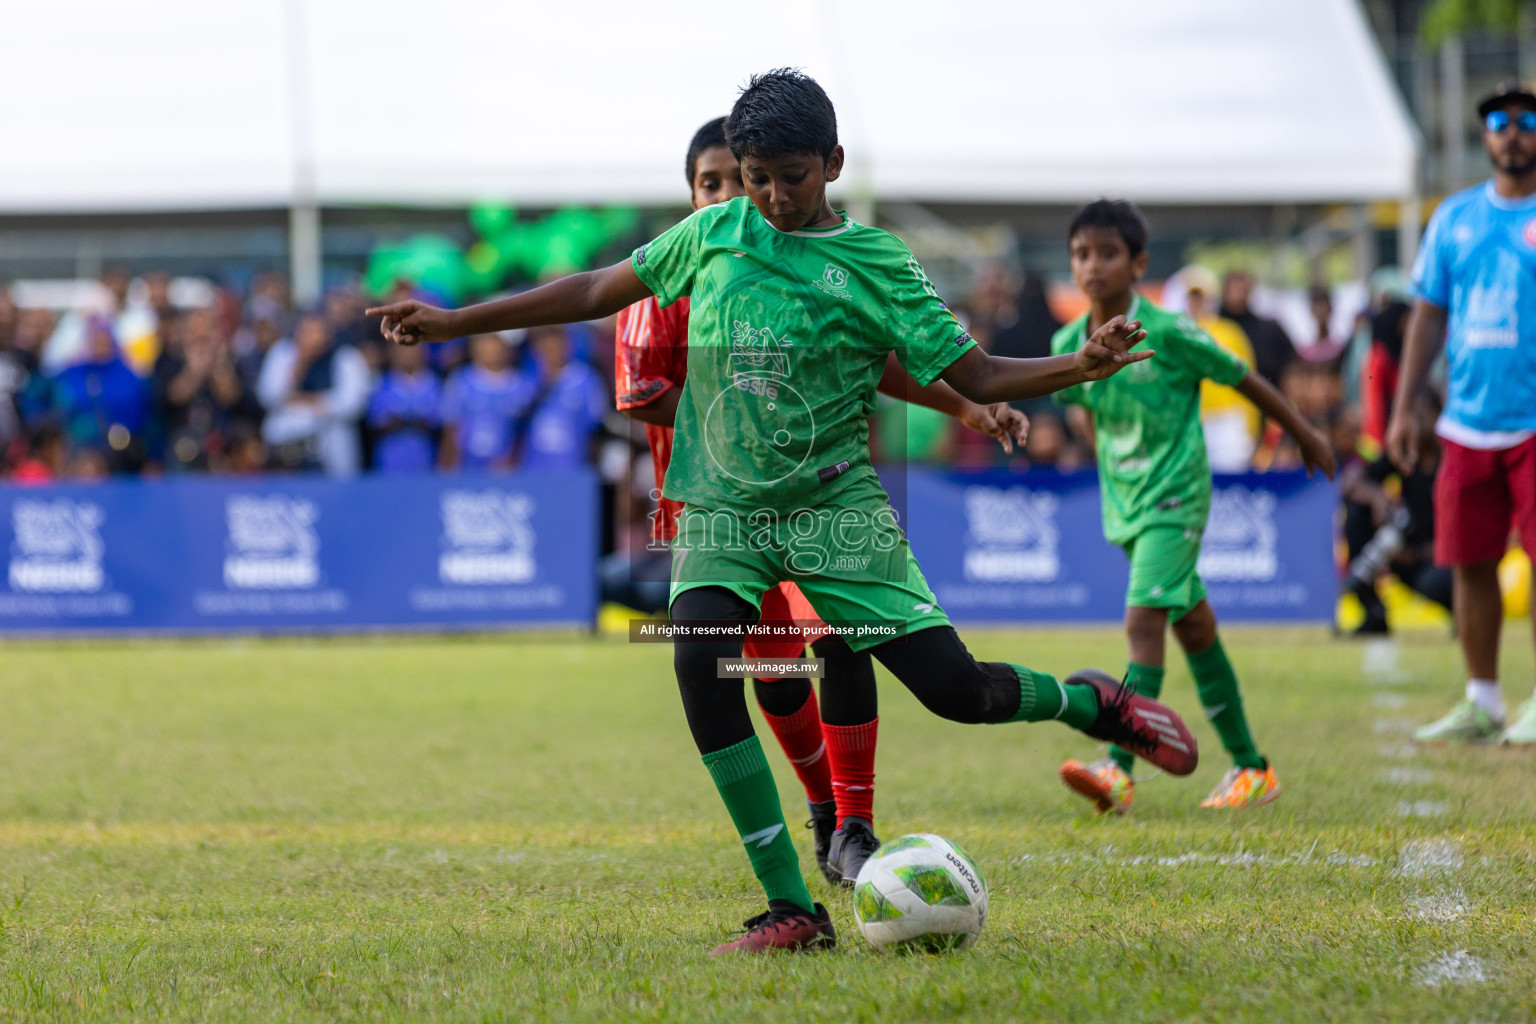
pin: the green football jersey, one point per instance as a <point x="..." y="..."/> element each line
<point x="1152" y="466"/>
<point x="788" y="335"/>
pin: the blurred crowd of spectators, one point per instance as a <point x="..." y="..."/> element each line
<point x="249" y="384"/>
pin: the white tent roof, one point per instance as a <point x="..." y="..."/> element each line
<point x="187" y="104"/>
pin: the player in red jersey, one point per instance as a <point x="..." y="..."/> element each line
<point x="832" y="747"/>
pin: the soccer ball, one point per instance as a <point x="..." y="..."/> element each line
<point x="920" y="892"/>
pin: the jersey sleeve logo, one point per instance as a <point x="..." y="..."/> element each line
<point x="640" y="256"/>
<point x="922" y="277"/>
<point x="834" y="281"/>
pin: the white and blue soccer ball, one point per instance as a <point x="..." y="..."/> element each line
<point x="920" y="892"/>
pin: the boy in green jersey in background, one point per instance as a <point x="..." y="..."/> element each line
<point x="1156" y="493"/>
<point x="794" y="310"/>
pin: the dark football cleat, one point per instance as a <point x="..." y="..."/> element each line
<point x="785" y="927"/>
<point x="1139" y="724"/>
<point x="851" y="846"/>
<point x="822" y="824"/>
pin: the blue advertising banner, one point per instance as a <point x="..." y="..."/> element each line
<point x="1005" y="547"/>
<point x="300" y="554"/>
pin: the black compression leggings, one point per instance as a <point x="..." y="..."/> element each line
<point x="848" y="694"/>
<point x="932" y="663"/>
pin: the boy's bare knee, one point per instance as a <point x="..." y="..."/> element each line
<point x="1197" y="630"/>
<point x="1145" y="624"/>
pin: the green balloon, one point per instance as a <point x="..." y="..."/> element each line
<point x="491" y="219"/>
<point x="565" y="241"/>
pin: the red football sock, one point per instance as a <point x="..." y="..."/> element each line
<point x="851" y="749"/>
<point x="800" y="736"/>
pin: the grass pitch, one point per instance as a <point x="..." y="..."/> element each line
<point x="519" y="829"/>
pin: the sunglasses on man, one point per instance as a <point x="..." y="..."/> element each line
<point x="1499" y="121"/>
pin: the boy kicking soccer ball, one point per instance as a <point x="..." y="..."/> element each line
<point x="794" y="311"/>
<point x="832" y="747"/>
<point x="1156" y="491"/>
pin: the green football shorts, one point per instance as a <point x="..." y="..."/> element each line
<point x="849" y="558"/>
<point x="1164" y="560"/>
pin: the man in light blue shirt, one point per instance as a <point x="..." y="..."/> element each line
<point x="1475" y="288"/>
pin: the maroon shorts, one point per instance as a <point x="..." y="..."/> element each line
<point x="1479" y="495"/>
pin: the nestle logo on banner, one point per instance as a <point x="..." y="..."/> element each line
<point x="57" y="547"/>
<point x="272" y="544"/>
<point x="487" y="538"/>
<point x="1011" y="536"/>
<point x="1240" y="537"/>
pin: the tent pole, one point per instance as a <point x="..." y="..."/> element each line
<point x="304" y="248"/>
<point x="1364" y="241"/>
<point x="304" y="253"/>
<point x="1453" y="114"/>
<point x="1408" y="226"/>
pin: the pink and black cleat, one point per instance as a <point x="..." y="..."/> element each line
<point x="1139" y="724"/>
<point x="788" y="928"/>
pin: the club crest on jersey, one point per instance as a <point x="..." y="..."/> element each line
<point x="758" y="360"/>
<point x="1529" y="232"/>
<point x="834" y="281"/>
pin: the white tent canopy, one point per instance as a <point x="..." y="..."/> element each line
<point x="187" y="104"/>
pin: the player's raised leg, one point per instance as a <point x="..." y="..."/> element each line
<point x="934" y="664"/>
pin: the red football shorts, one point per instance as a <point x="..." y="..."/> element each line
<point x="785" y="603"/>
<point x="1479" y="495"/>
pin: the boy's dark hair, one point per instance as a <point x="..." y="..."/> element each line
<point x="707" y="137"/>
<point x="1117" y="215"/>
<point x="782" y="112"/>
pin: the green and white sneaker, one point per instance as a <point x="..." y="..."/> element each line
<point x="1522" y="730"/>
<point x="1467" y="723"/>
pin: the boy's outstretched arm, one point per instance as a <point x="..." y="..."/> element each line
<point x="987" y="379"/>
<point x="999" y="421"/>
<point x="589" y="296"/>
<point x="1316" y="452"/>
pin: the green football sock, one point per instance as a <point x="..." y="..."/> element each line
<point x="1216" y="684"/>
<point x="1146" y="680"/>
<point x="1042" y="698"/>
<point x="746" y="785"/>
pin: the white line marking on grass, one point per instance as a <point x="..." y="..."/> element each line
<point x="1425" y="857"/>
<point x="1399" y="750"/>
<point x="1389" y="700"/>
<point x="1442" y="905"/>
<point x="1379" y="663"/>
<point x="1458" y="968"/>
<point x="1439" y="859"/>
<point x="1240" y="859"/>
<point x="1383" y="725"/>
<point x="1408" y="776"/>
<point x="1421" y="808"/>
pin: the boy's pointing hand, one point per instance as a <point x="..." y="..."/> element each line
<point x="1108" y="350"/>
<point x="411" y="322"/>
